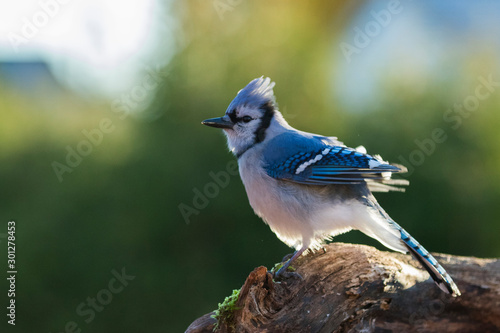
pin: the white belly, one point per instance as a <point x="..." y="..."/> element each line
<point x="267" y="203"/>
<point x="302" y="215"/>
<point x="297" y="215"/>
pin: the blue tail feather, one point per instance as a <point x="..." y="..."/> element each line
<point x="436" y="271"/>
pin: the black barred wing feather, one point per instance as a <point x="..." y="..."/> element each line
<point x="338" y="165"/>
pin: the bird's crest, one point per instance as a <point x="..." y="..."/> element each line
<point x="259" y="91"/>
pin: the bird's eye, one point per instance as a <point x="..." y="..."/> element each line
<point x="246" y="119"/>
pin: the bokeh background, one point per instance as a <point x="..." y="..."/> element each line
<point x="416" y="81"/>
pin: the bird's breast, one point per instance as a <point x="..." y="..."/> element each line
<point x="261" y="190"/>
<point x="277" y="203"/>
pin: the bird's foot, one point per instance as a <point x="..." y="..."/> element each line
<point x="285" y="275"/>
<point x="287" y="257"/>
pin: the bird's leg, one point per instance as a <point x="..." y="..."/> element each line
<point x="288" y="256"/>
<point x="283" y="269"/>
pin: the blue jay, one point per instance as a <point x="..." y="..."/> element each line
<point x="309" y="188"/>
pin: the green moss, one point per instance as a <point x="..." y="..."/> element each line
<point x="276" y="267"/>
<point x="279" y="265"/>
<point x="226" y="309"/>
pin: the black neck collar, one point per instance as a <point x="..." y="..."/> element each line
<point x="260" y="132"/>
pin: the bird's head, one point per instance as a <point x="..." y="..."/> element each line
<point x="250" y="117"/>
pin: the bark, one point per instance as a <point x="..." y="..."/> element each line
<point x="356" y="288"/>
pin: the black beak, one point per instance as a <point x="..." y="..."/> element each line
<point x="218" y="123"/>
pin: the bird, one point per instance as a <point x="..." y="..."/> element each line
<point x="308" y="187"/>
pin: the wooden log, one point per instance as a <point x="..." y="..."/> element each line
<point x="356" y="288"/>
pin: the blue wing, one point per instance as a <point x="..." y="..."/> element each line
<point x="315" y="160"/>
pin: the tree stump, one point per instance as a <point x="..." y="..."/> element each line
<point x="356" y="288"/>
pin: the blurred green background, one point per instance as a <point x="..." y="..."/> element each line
<point x="138" y="79"/>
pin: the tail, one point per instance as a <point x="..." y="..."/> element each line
<point x="436" y="271"/>
<point x="395" y="241"/>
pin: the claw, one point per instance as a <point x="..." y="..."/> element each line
<point x="282" y="271"/>
<point x="286" y="275"/>
<point x="287" y="257"/>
